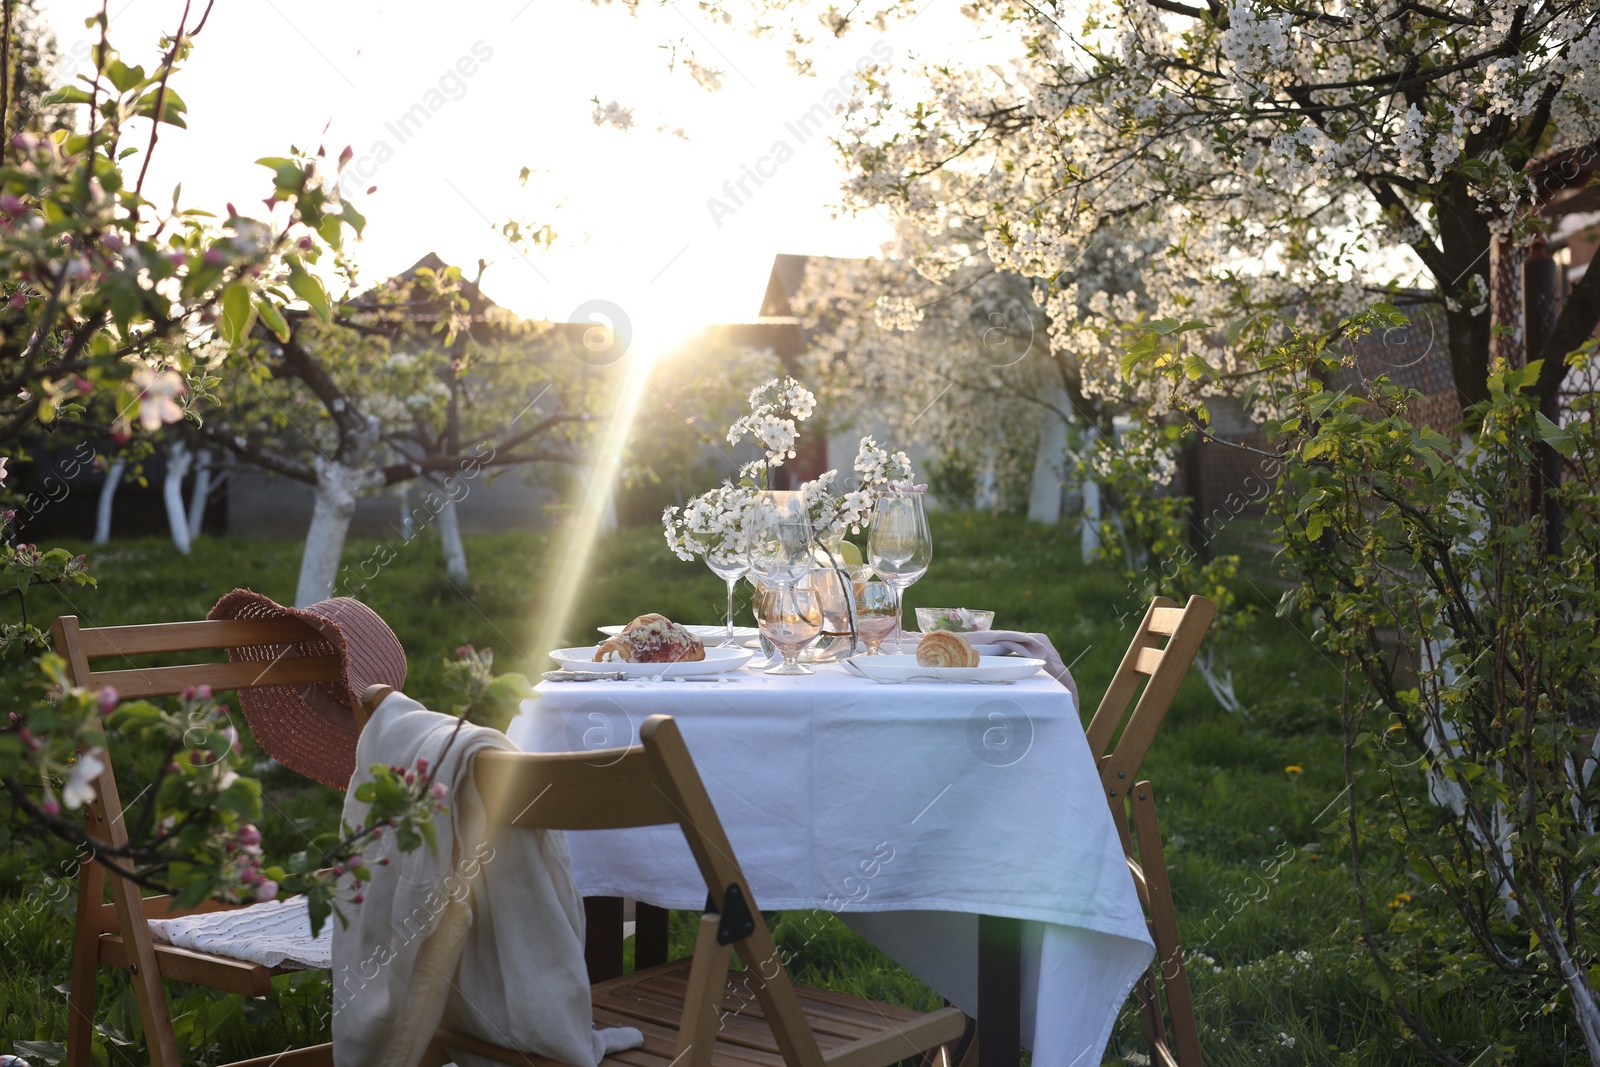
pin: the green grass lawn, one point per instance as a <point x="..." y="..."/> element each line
<point x="1274" y="963"/>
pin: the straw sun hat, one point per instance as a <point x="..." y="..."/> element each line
<point x="311" y="728"/>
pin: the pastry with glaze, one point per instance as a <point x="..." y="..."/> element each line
<point x="652" y="638"/>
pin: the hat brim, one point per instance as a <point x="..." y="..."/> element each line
<point x="311" y="728"/>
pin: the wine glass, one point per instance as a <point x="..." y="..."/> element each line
<point x="791" y="618"/>
<point x="780" y="551"/>
<point x="875" y="614"/>
<point x="899" y="546"/>
<point x="730" y="566"/>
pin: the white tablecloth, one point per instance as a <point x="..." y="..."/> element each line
<point x="908" y="809"/>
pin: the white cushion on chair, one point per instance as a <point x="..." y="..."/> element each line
<point x="276" y="933"/>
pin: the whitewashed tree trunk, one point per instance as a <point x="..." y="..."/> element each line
<point x="1218" y="677"/>
<point x="986" y="497"/>
<point x="200" y="492"/>
<point x="407" y="528"/>
<point x="1090" y="528"/>
<point x="455" y="556"/>
<point x="108" y="494"/>
<point x="1049" y="464"/>
<point x="178" y="460"/>
<point x="337" y="489"/>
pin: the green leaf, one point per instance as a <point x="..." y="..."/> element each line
<point x="123" y="76"/>
<point x="356" y="219"/>
<point x="69" y="94"/>
<point x="308" y="287"/>
<point x="192" y="894"/>
<point x="238" y="314"/>
<point x="1391" y="314"/>
<point x="287" y="174"/>
<point x="172" y="109"/>
<point x="1166" y="327"/>
<point x="332" y="230"/>
<point x="272" y="317"/>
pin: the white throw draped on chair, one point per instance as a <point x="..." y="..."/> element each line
<point x="483" y="934"/>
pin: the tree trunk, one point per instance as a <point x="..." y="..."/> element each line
<point x="178" y="460"/>
<point x="407" y="528"/>
<point x="337" y="489"/>
<point x="455" y="557"/>
<point x="108" y="493"/>
<point x="1218" y="677"/>
<point x="1090" y="522"/>
<point x="1465" y="239"/>
<point x="1044" y="496"/>
<point x="200" y="493"/>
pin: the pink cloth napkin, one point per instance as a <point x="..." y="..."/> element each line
<point x="1030" y="646"/>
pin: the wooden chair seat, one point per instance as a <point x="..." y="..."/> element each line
<point x="653" y="1001"/>
<point x="178" y="964"/>
<point x="201" y="968"/>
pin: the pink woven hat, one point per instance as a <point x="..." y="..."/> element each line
<point x="311" y="728"/>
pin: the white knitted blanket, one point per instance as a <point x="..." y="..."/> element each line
<point x="276" y="933"/>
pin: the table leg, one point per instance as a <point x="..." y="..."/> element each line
<point x="999" y="991"/>
<point x="650" y="935"/>
<point x="602" y="946"/>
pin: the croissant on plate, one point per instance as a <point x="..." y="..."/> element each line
<point x="943" y="648"/>
<point x="652" y="639"/>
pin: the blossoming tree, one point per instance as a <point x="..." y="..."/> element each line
<point x="418" y="378"/>
<point x="1284" y="159"/>
<point x="116" y="312"/>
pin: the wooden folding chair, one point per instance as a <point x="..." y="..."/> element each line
<point x="694" y="1012"/>
<point x="118" y="934"/>
<point x="1134" y="807"/>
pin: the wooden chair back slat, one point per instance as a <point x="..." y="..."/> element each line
<point x="1165" y="668"/>
<point x="1124" y="683"/>
<point x="194" y="636"/>
<point x="572" y="791"/>
<point x="1165" y="621"/>
<point x="164" y="681"/>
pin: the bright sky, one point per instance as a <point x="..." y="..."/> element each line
<point x="507" y="84"/>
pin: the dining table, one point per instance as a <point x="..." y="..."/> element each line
<point x="960" y="828"/>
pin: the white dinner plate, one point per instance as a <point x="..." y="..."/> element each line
<point x="717" y="661"/>
<point x="702" y="632"/>
<point x="989" y="669"/>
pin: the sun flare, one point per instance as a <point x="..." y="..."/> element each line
<point x="658" y="328"/>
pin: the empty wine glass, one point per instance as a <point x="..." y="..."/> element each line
<point x="790" y="616"/>
<point x="876" y="607"/>
<point x="899" y="545"/>
<point x="780" y="552"/>
<point x="730" y="566"/>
